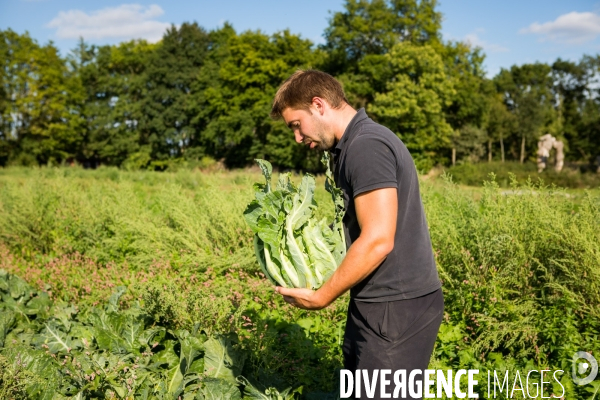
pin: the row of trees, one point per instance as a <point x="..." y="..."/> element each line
<point x="200" y="93"/>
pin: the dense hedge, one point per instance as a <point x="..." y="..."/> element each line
<point x="569" y="177"/>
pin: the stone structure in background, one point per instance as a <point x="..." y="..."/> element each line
<point x="545" y="145"/>
<point x="560" y="155"/>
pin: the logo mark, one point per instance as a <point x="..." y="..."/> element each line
<point x="584" y="367"/>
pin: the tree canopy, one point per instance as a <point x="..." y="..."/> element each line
<point x="200" y="94"/>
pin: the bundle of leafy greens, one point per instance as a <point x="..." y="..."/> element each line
<point x="292" y="247"/>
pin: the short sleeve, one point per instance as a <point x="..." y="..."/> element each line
<point x="370" y="164"/>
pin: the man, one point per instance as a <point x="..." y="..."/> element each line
<point x="396" y="304"/>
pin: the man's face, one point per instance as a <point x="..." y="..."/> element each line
<point x="309" y="128"/>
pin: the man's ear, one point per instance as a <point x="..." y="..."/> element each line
<point x="319" y="104"/>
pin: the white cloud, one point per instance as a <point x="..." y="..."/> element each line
<point x="127" y="21"/>
<point x="572" y="28"/>
<point x="474" y="40"/>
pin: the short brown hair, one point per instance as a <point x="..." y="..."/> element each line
<point x="299" y="89"/>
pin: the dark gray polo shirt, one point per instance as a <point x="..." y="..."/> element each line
<point x="369" y="156"/>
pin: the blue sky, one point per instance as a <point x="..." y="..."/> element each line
<point x="509" y="31"/>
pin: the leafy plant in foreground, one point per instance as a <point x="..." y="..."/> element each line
<point x="292" y="247"/>
<point x="107" y="352"/>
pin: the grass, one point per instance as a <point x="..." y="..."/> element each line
<point x="520" y="266"/>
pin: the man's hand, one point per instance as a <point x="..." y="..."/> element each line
<point x="302" y="298"/>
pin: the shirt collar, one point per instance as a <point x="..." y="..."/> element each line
<point x="350" y="131"/>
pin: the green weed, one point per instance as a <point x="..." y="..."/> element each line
<point x="520" y="267"/>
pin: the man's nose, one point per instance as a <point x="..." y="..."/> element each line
<point x="299" y="137"/>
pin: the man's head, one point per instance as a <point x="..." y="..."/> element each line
<point x="307" y="101"/>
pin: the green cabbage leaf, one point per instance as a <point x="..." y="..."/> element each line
<point x="292" y="247"/>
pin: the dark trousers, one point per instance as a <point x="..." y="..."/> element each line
<point x="392" y="335"/>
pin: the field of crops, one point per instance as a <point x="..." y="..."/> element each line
<point x="118" y="284"/>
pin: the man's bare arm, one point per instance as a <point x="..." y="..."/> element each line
<point x="376" y="212"/>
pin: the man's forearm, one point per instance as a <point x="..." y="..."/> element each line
<point x="376" y="212"/>
<point x="363" y="257"/>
